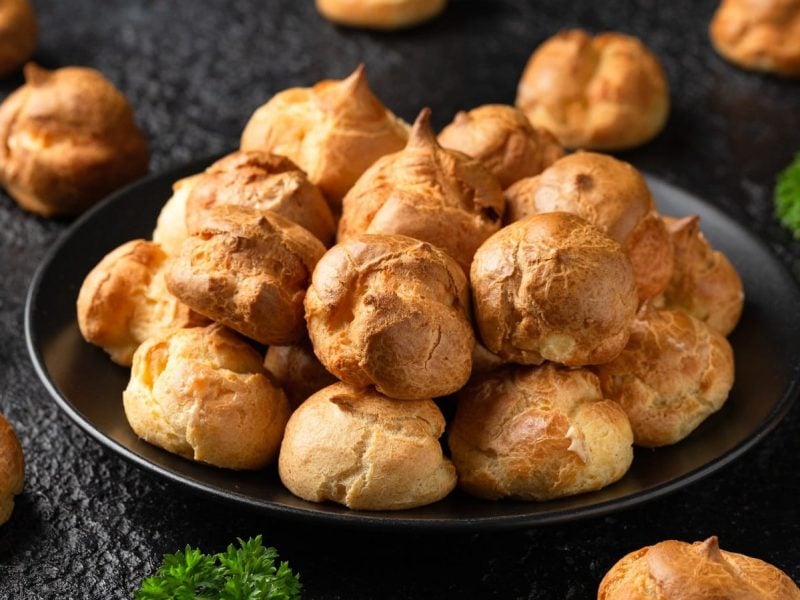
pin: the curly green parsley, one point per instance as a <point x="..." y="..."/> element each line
<point x="787" y="196"/>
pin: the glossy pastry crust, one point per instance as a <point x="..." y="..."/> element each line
<point x="18" y="34"/>
<point x="428" y="193"/>
<point x="537" y="433"/>
<point x="553" y="287"/>
<point x="380" y="14"/>
<point x="12" y="469"/>
<point x="606" y="92"/>
<point x="503" y="139"/>
<point x="333" y="131"/>
<point x="761" y="35"/>
<point x="366" y="451"/>
<point x="673" y="570"/>
<point x="391" y="311"/>
<point x="67" y="138"/>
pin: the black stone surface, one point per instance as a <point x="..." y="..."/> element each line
<point x="90" y="525"/>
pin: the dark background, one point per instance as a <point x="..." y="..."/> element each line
<point x="90" y="525"/>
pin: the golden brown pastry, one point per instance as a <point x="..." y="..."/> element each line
<point x="262" y="181"/>
<point x="673" y="570"/>
<point x="606" y="92"/>
<point x="429" y="193"/>
<point x="503" y="139"/>
<point x="380" y="14"/>
<point x="484" y="361"/>
<point x="613" y="196"/>
<point x="391" y="311"/>
<point x="704" y="283"/>
<point x="248" y="270"/>
<point x="124" y="300"/>
<point x="297" y="370"/>
<point x="18" y="34"/>
<point x="366" y="451"/>
<point x="67" y="138"/>
<point x="761" y="35"/>
<point x="170" y="228"/>
<point x="536" y="433"/>
<point x="333" y="131"/>
<point x="674" y="373"/>
<point x="553" y="287"/>
<point x="203" y="394"/>
<point x="12" y="469"/>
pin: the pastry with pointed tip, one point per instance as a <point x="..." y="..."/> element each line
<point x="553" y="287"/>
<point x="673" y="374"/>
<point x="380" y="14"/>
<point x="297" y="370"/>
<point x="537" y="433"/>
<point x="67" y="139"/>
<point x="202" y="393"/>
<point x="761" y="35"/>
<point x="366" y="451"/>
<point x="673" y="570"/>
<point x="18" y="34"/>
<point x="704" y="283"/>
<point x="428" y="193"/>
<point x="124" y="300"/>
<point x="333" y="131"/>
<point x="503" y="139"/>
<point x="606" y="92"/>
<point x="248" y="270"/>
<point x="171" y="228"/>
<point x="12" y="469"/>
<point x="393" y="312"/>
<point x="613" y="196"/>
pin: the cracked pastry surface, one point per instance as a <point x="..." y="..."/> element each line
<point x="333" y="131"/>
<point x="202" y="393"/>
<point x="12" y="469"/>
<point x="762" y="35"/>
<point x="613" y="196"/>
<point x="361" y="449"/>
<point x="428" y="193"/>
<point x="391" y="311"/>
<point x="503" y="139"/>
<point x="553" y="287"/>
<point x="606" y="92"/>
<point x="124" y="300"/>
<point x="674" y="373"/>
<point x="297" y="370"/>
<point x="248" y="270"/>
<point x="380" y="14"/>
<point x="18" y="34"/>
<point x="537" y="433"/>
<point x="673" y="570"/>
<point x="67" y="138"/>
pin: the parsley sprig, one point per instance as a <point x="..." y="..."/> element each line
<point x="244" y="573"/>
<point x="787" y="196"/>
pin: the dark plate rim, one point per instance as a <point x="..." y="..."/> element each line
<point x="386" y="520"/>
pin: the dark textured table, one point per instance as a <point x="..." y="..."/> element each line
<point x="90" y="525"/>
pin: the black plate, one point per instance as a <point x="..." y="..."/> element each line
<point x="88" y="386"/>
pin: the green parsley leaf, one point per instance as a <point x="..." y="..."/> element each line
<point x="248" y="572"/>
<point x="787" y="196"/>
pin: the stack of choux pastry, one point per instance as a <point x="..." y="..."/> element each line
<point x="539" y="296"/>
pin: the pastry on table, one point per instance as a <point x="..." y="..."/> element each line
<point x="704" y="283"/>
<point x="366" y="451"/>
<point x="673" y="570"/>
<point x="503" y="139"/>
<point x="171" y="228"/>
<point x="605" y="92"/>
<point x="759" y="35"/>
<point x="333" y="131"/>
<point x="613" y="196"/>
<point x="553" y="287"/>
<point x="429" y="193"/>
<point x="297" y="370"/>
<point x="18" y="34"/>
<point x="124" y="300"/>
<point x="393" y="312"/>
<point x="380" y="14"/>
<point x="203" y="394"/>
<point x="67" y="139"/>
<point x="674" y="373"/>
<point x="248" y="270"/>
<point x="537" y="433"/>
<point x="12" y="469"/>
